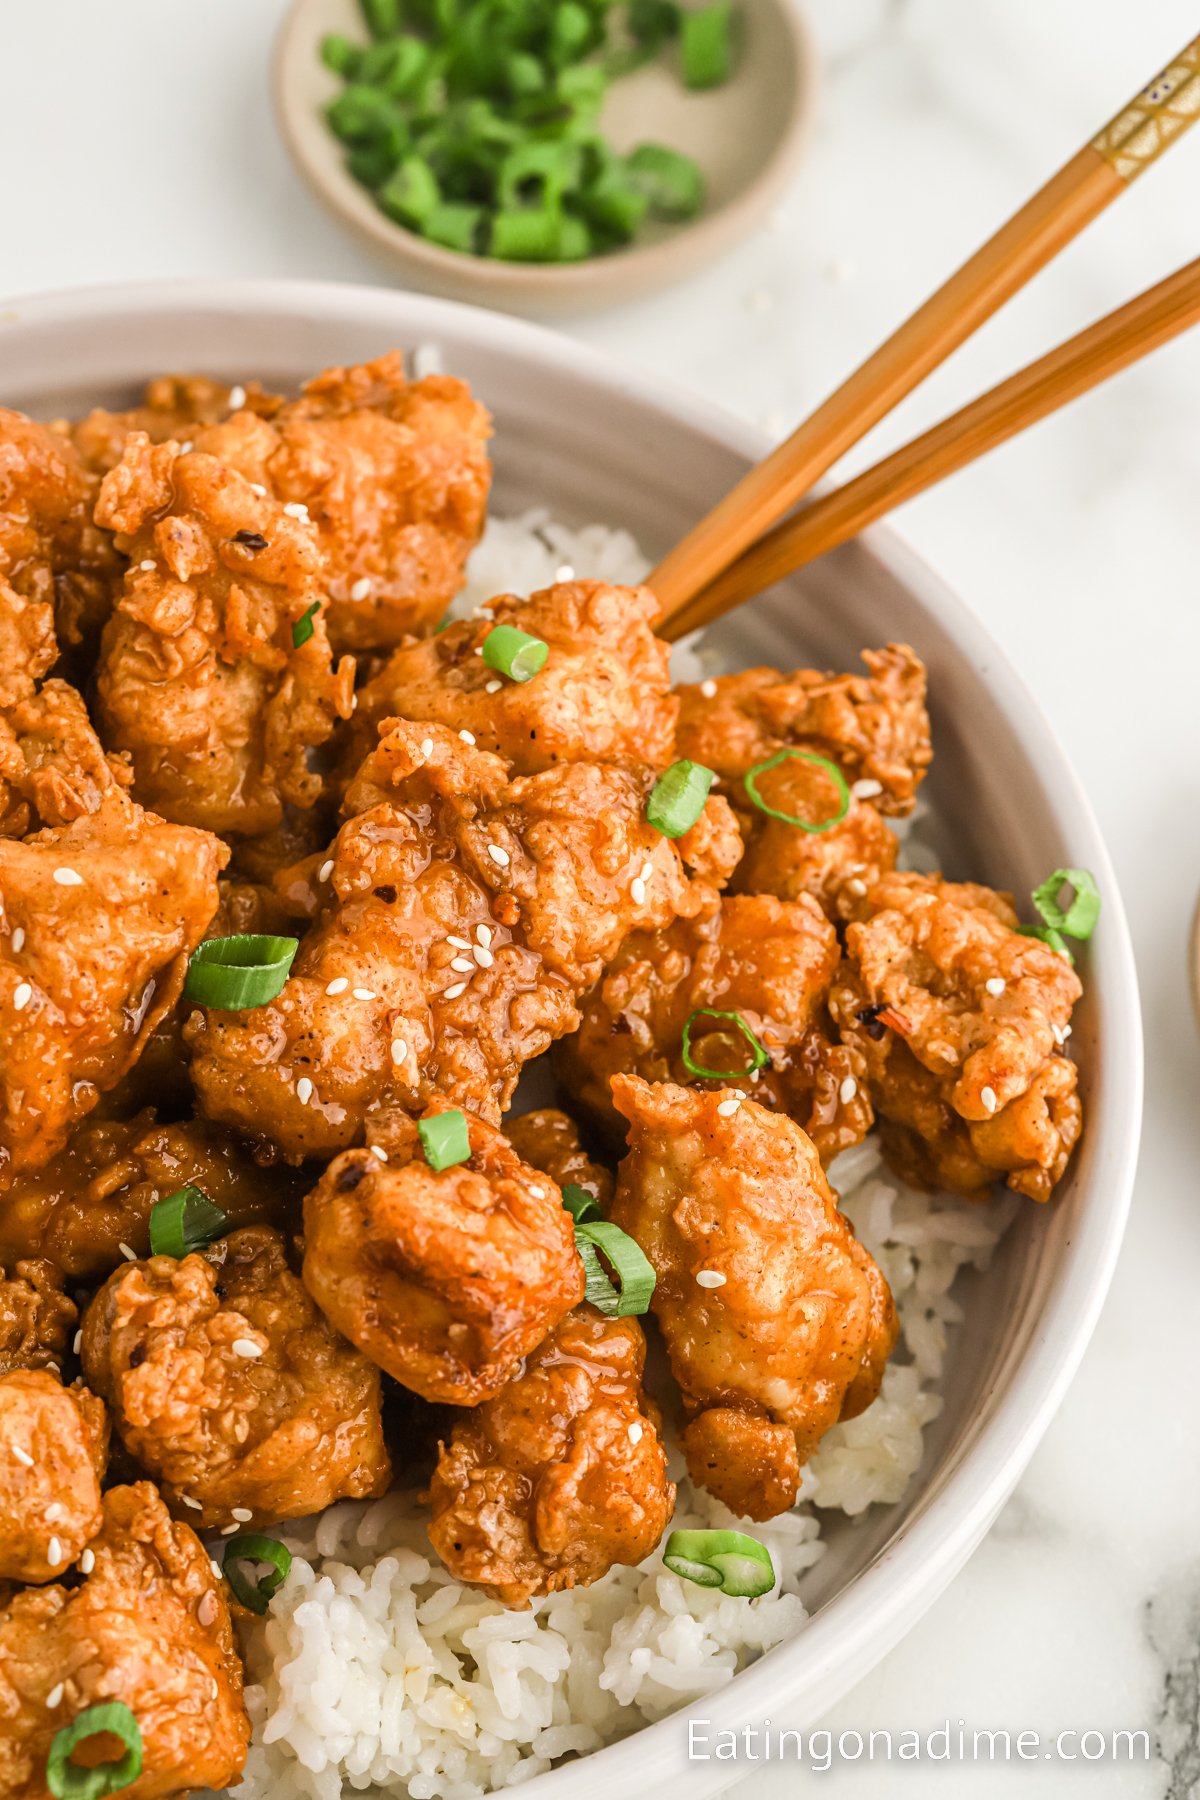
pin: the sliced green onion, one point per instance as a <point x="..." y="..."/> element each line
<point x="514" y="653"/>
<point x="445" y="1139"/>
<point x="750" y="780"/>
<point x="526" y="234"/>
<point x="633" y="1269"/>
<point x="1079" y="919"/>
<point x="1047" y="935"/>
<point x="651" y="21"/>
<point x="706" y="45"/>
<point x="384" y="17"/>
<point x="671" y="184"/>
<point x="340" y="55"/>
<point x="412" y="194"/>
<point x="455" y="225"/>
<point x="232" y="973"/>
<point x="579" y="1203"/>
<point x="185" y="1221"/>
<point x="758" y="1055"/>
<point x="677" y="797"/>
<point x="360" y="114"/>
<point x="69" y="1780"/>
<point x="256" y="1593"/>
<point x="729" y="1560"/>
<point x="302" y="630"/>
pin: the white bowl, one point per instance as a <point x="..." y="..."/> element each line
<point x="595" y="441"/>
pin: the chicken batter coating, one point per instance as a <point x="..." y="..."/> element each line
<point x="148" y="1625"/>
<point x="776" y="1321"/>
<point x="36" y="1316"/>
<point x="562" y="1475"/>
<point x="173" y="406"/>
<point x="604" y="694"/>
<point x="549" y="1140"/>
<point x="461" y="915"/>
<point x="445" y="1278"/>
<point x="962" y="1023"/>
<point x="394" y="475"/>
<point x="231" y="1389"/>
<point x="52" y="765"/>
<point x="55" y="1448"/>
<point x="769" y="961"/>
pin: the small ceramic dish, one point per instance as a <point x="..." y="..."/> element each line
<point x="746" y="137"/>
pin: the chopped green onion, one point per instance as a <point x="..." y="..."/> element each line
<point x="360" y="114"/>
<point x="538" y="173"/>
<point x="514" y="653"/>
<point x="302" y="630"/>
<point x="384" y="17"/>
<point x="455" y="225"/>
<point x="340" y="55"/>
<point x="634" y="1271"/>
<point x="670" y="183"/>
<point x="527" y="234"/>
<point x="729" y="1560"/>
<point x="651" y="21"/>
<point x="579" y="1203"/>
<point x="411" y="194"/>
<point x="185" y="1221"/>
<point x="69" y="1780"/>
<point x="1047" y="935"/>
<point x="706" y="45"/>
<point x="677" y="797"/>
<point x="445" y="1139"/>
<point x="750" y="781"/>
<point x="1079" y="919"/>
<point x="232" y="973"/>
<point x="758" y="1055"/>
<point x="256" y="1594"/>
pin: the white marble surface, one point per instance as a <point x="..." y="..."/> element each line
<point x="137" y="142"/>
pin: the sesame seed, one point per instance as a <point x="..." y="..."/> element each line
<point x="866" y="790"/>
<point x="399" y="1050"/>
<point x="637" y="889"/>
<point x="426" y="746"/>
<point x="479" y="650"/>
<point x="710" y="1278"/>
<point x="296" y="509"/>
<point x="68" y="878"/>
<point x="242" y="1514"/>
<point x="468" y="737"/>
<point x="493" y="687"/>
<point x="727" y="1108"/>
<point x="647" y="870"/>
<point x="237" y="398"/>
<point x="483" y="934"/>
<point x="365" y="994"/>
<point x="18" y="939"/>
<point x="54" y="1553"/>
<point x="147" y="564"/>
<point x="325" y="870"/>
<point x="361" y="589"/>
<point x="53" y="1511"/>
<point x="206" y="1612"/>
<point x="228" y="1530"/>
<point x="304" y="1090"/>
<point x="709" y="689"/>
<point x="459" y="943"/>
<point x="539" y="1193"/>
<point x="189" y="445"/>
<point x="564" y="572"/>
<point x="248" y="1348"/>
<point x="54" y="1697"/>
<point x="256" y="487"/>
<point x="129" y="1254"/>
<point x="21" y="1455"/>
<point x="354" y="703"/>
<point x="377" y="1150"/>
<point x="216" y="1568"/>
<point x="188" y="1500"/>
<point x="1059" y="1036"/>
<point x="498" y="855"/>
<point x="847" y="1090"/>
<point x="988" y="1097"/>
<point x="1067" y="1029"/>
<point x="338" y="985"/>
<point x="635" y="1433"/>
<point x="22" y="995"/>
<point x="463" y="964"/>
<point x="483" y="957"/>
<point x="857" y="888"/>
<point x="452" y="993"/>
<point x="87" y="1562"/>
<point x="995" y="986"/>
<point x="77" y="1344"/>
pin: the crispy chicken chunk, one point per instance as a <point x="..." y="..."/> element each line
<point x="776" y="1321"/>
<point x="549" y="1140"/>
<point x="962" y="1023"/>
<point x="231" y="1389"/>
<point x="149" y="1626"/>
<point x="395" y="477"/>
<point x="562" y="1475"/>
<point x="445" y="1278"/>
<point x="93" y="1202"/>
<point x="99" y="918"/>
<point x="173" y="406"/>
<point x="52" y="765"/>
<point x="205" y="677"/>
<point x="461" y="915"/>
<point x="769" y="961"/>
<point x="55" y="1450"/>
<point x="604" y="694"/>
<point x="36" y="1317"/>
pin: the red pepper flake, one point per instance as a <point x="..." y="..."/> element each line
<point x="875" y="1020"/>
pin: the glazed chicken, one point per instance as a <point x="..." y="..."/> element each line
<point x="37" y="1318"/>
<point x="769" y="961"/>
<point x="231" y="1389"/>
<point x="461" y="916"/>
<point x="148" y="1625"/>
<point x="445" y="1278"/>
<point x="560" y="1476"/>
<point x="549" y="1140"/>
<point x="56" y="1450"/>
<point x="604" y="694"/>
<point x="776" y="1321"/>
<point x="173" y="406"/>
<point x="962" y="1022"/>
<point x="53" y="768"/>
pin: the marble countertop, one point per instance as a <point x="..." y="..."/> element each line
<point x="138" y="143"/>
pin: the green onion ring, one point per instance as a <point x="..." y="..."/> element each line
<point x="677" y="797"/>
<point x="822" y="762"/>
<point x="232" y="973"/>
<point x="249" y="1547"/>
<point x="1079" y="919"/>
<point x="729" y="1560"/>
<point x="185" y="1221"/>
<point x="580" y="1204"/>
<point x="514" y="653"/>
<point x="71" y="1781"/>
<point x="302" y="630"/>
<point x="445" y="1139"/>
<point x="634" y="1271"/>
<point x="1046" y="934"/>
<point x="758" y="1055"/>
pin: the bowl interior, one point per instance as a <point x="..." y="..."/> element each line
<point x="578" y="435"/>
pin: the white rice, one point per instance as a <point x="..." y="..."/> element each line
<point x="377" y="1672"/>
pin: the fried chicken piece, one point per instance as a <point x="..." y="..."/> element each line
<point x="962" y="1022"/>
<point x="461" y="915"/>
<point x="52" y="765"/>
<point x="173" y="406"/>
<point x="836" y="867"/>
<point x="93" y="1202"/>
<point x="562" y="1475"/>
<point x="445" y="1278"/>
<point x="604" y="694"/>
<point x="149" y="1626"/>
<point x="796" y="1332"/>
<point x="56" y="1451"/>
<point x="231" y="1389"/>
<point x="36" y="1317"/>
<point x="28" y="646"/>
<point x="202" y="678"/>
<point x="549" y="1140"/>
<point x="395" y="476"/>
<point x="767" y="960"/>
<point x="100" y="916"/>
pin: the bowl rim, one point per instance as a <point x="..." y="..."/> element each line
<point x="888" y="1597"/>
<point x="643" y="267"/>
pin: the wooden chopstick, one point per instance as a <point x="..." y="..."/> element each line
<point x="1082" y="363"/>
<point x="1092" y="179"/>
